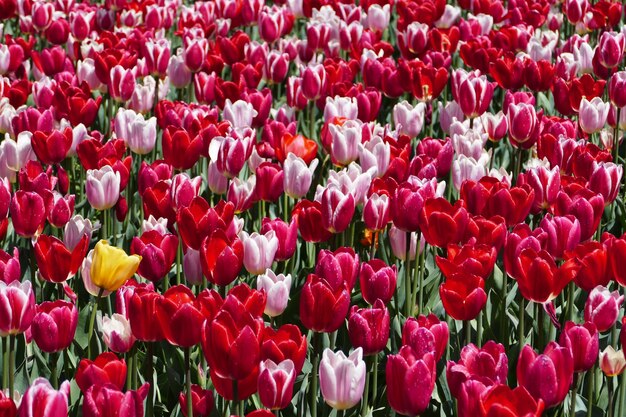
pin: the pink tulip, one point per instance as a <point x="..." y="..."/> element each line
<point x="41" y="400"/>
<point x="410" y="381"/>
<point x="583" y="341"/>
<point x="258" y="251"/>
<point x="297" y="175"/>
<point x="10" y="266"/>
<point x="17" y="303"/>
<point x="345" y="141"/>
<point x="342" y="379"/>
<point x="117" y="334"/>
<point x="313" y="81"/>
<point x="276" y="383"/>
<point x="488" y="364"/>
<point x="54" y="325"/>
<point x="407" y="119"/>
<point x="611" y="48"/>
<point x="342" y="107"/>
<point x="602" y="307"/>
<point x="606" y="179"/>
<point x="287" y="235"/>
<point x="612" y="362"/>
<point x="276" y="288"/>
<point x="337" y="209"/>
<point x="592" y="114"/>
<point x="426" y="334"/>
<point x="374" y="156"/>
<point x="102" y="187"/>
<point x="122" y="83"/>
<point x="376" y="213"/>
<point x="472" y="91"/>
<point x="522" y="121"/>
<point x="495" y="125"/>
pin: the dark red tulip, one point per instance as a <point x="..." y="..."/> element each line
<point x="583" y="341"/>
<point x="442" y="223"/>
<point x="52" y="147"/>
<point x="202" y="401"/>
<point x="7" y="406"/>
<point x="107" y="368"/>
<point x="323" y="308"/>
<point x="546" y="376"/>
<point x="157" y="201"/>
<point x="426" y="334"/>
<point x="221" y="258"/>
<point x="368" y="328"/>
<point x="488" y="364"/>
<point x="463" y="295"/>
<point x="56" y="263"/>
<point x="180" y="317"/>
<point x="269" y="182"/>
<point x="157" y="252"/>
<point x="285" y="343"/>
<point x="408" y="199"/>
<point x="616" y="254"/>
<point x="199" y="220"/>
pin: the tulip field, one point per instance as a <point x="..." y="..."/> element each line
<point x="312" y="208"/>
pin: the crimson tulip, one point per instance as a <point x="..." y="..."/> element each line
<point x="475" y="259"/>
<point x="308" y="215"/>
<point x="10" y="266"/>
<point x="378" y="281"/>
<point x="584" y="343"/>
<point x="109" y="401"/>
<point x="426" y="334"/>
<point x="546" y="376"/>
<point x="54" y="325"/>
<point x="368" y="328"/>
<point x="488" y="364"/>
<point x="107" y="368"/>
<point x="323" y="308"/>
<point x="198" y="220"/>
<point x="52" y="147"/>
<point x="341" y="266"/>
<point x="28" y="212"/>
<point x="180" y="316"/>
<point x="594" y="268"/>
<point x="408" y="199"/>
<point x="602" y="307"/>
<point x="7" y="406"/>
<point x="410" y="381"/>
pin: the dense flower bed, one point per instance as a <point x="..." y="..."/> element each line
<point x="312" y="208"/>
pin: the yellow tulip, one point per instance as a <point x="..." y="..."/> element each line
<point x="111" y="267"/>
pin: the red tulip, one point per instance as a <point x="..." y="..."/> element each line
<point x="109" y="401"/>
<point x="181" y="149"/>
<point x="269" y="182"/>
<point x="54" y="325"/>
<point x="285" y="343"/>
<point x="426" y="334"/>
<point x="57" y="263"/>
<point x="488" y="364"/>
<point x="323" y="308"/>
<point x="52" y="147"/>
<point x="10" y="266"/>
<point x="107" y="368"/>
<point x="231" y="342"/>
<point x="7" y="406"/>
<point x="28" y="213"/>
<point x="142" y="308"/>
<point x="442" y="223"/>
<point x="410" y="381"/>
<point x="463" y="295"/>
<point x="547" y="376"/>
<point x="583" y="341"/>
<point x="594" y="268"/>
<point x="308" y="215"/>
<point x="180" y="316"/>
<point x="157" y="251"/>
<point x="198" y="220"/>
<point x="157" y="202"/>
<point x="202" y="401"/>
<point x="475" y="259"/>
<point x="540" y="280"/>
<point x="502" y="401"/>
<point x="368" y="328"/>
<point x="221" y="258"/>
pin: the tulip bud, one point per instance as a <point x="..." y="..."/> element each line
<point x="612" y="362"/>
<point x="117" y="334"/>
<point x="342" y="379"/>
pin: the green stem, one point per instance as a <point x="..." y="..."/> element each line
<point x="5" y="363"/>
<point x="521" y="330"/>
<point x="503" y="318"/>
<point x="407" y="277"/>
<point x="11" y="363"/>
<point x="179" y="261"/>
<point x="421" y="277"/>
<point x="609" y="381"/>
<point x="591" y="375"/>
<point x="54" y="377"/>
<point x="92" y="322"/>
<point x="540" y="326"/>
<point x="622" y="396"/>
<point x="148" y="377"/>
<point x="366" y="393"/>
<point x="572" y="403"/>
<point x="375" y="381"/>
<point x="467" y="331"/>
<point x="416" y="274"/>
<point x="479" y="329"/>
<point x="129" y="374"/>
<point x="188" y="381"/>
<point x="286" y="208"/>
<point x="314" y="381"/>
<point x="235" y="407"/>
